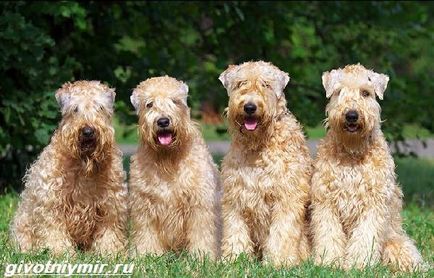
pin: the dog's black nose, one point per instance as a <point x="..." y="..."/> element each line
<point x="250" y="108"/>
<point x="87" y="131"/>
<point x="163" y="122"/>
<point x="352" y="116"/>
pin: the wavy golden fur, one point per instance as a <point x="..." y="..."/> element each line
<point x="174" y="186"/>
<point x="356" y="201"/>
<point x="75" y="195"/>
<point x="266" y="173"/>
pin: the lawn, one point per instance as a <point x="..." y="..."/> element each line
<point x="416" y="177"/>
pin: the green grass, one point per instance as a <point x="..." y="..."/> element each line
<point x="416" y="177"/>
<point x="315" y="132"/>
<point x="125" y="134"/>
<point x="215" y="133"/>
<point x="416" y="132"/>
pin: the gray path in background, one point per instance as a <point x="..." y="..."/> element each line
<point x="420" y="148"/>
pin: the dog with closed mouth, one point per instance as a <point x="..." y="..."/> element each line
<point x="75" y="194"/>
<point x="356" y="200"/>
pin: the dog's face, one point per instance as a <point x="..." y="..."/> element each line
<point x="353" y="110"/>
<point x="161" y="103"/>
<point x="87" y="108"/>
<point x="254" y="90"/>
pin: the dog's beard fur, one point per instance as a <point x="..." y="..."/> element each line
<point x="167" y="157"/>
<point x="356" y="141"/>
<point x="266" y="120"/>
<point x="237" y="118"/>
<point x="91" y="155"/>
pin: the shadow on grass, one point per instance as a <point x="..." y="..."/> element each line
<point x="416" y="177"/>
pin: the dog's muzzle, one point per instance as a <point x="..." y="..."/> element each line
<point x="250" y="121"/>
<point x="165" y="135"/>
<point x="351" y="119"/>
<point x="87" y="139"/>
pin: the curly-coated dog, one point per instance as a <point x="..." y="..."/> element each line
<point x="356" y="201"/>
<point x="75" y="195"/>
<point x="266" y="173"/>
<point x="174" y="183"/>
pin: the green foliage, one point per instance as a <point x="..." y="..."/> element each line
<point x="30" y="72"/>
<point x="44" y="44"/>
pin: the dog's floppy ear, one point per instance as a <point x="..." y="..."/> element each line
<point x="135" y="100"/>
<point x="379" y="81"/>
<point x="331" y="80"/>
<point x="184" y="92"/>
<point x="111" y="95"/>
<point x="226" y="76"/>
<point x="282" y="80"/>
<point x="63" y="98"/>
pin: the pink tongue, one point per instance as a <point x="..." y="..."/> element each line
<point x="165" y="138"/>
<point x="250" y="124"/>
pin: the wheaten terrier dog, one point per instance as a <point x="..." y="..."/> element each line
<point x="267" y="171"/>
<point x="356" y="201"/>
<point x="75" y="195"/>
<point x="174" y="182"/>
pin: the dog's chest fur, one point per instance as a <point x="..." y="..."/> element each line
<point x="355" y="187"/>
<point x="257" y="188"/>
<point x="256" y="181"/>
<point x="172" y="207"/>
<point x="80" y="208"/>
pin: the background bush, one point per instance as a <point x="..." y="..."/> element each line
<point x="44" y="44"/>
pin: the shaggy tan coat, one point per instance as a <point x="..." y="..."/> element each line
<point x="74" y="198"/>
<point x="356" y="201"/>
<point x="174" y="188"/>
<point x="266" y="173"/>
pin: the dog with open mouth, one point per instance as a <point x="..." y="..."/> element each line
<point x="266" y="172"/>
<point x="174" y="183"/>
<point x="356" y="201"/>
<point x="75" y="195"/>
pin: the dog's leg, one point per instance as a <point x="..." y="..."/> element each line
<point x="305" y="246"/>
<point x="111" y="234"/>
<point x="364" y="243"/>
<point x="54" y="236"/>
<point x="22" y="231"/>
<point x="33" y="231"/>
<point x="401" y="253"/>
<point x="328" y="237"/>
<point x="202" y="234"/>
<point x="286" y="233"/>
<point x="112" y="240"/>
<point x="236" y="239"/>
<point x="145" y="238"/>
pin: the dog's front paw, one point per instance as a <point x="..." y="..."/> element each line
<point x="108" y="243"/>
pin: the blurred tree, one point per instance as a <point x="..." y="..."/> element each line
<point x="44" y="44"/>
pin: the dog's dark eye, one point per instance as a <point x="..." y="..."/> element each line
<point x="177" y="101"/>
<point x="75" y="109"/>
<point x="365" y="93"/>
<point x="149" y="104"/>
<point x="267" y="85"/>
<point x="241" y="83"/>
